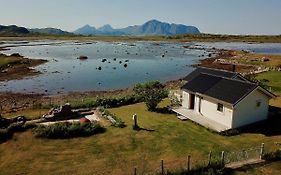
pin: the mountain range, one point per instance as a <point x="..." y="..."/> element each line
<point x="50" y="31"/>
<point x="150" y="28"/>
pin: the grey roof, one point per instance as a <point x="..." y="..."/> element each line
<point x="221" y="88"/>
<point x="216" y="72"/>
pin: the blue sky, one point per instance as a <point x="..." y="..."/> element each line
<point x="210" y="16"/>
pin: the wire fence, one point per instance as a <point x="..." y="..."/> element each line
<point x="188" y="163"/>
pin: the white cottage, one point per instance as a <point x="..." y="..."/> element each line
<point x="222" y="100"/>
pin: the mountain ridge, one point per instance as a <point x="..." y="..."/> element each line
<point x="152" y="27"/>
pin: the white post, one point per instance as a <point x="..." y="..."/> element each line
<point x="262" y="150"/>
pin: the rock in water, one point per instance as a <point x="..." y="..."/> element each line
<point x="82" y="57"/>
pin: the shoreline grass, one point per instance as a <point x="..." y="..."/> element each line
<point x="178" y="38"/>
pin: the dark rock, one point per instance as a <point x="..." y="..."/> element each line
<point x="82" y="57"/>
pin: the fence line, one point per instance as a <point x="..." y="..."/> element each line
<point x="225" y="157"/>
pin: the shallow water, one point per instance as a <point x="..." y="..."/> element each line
<point x="145" y="61"/>
<point x="64" y="72"/>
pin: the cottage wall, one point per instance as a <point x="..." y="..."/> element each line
<point x="185" y="99"/>
<point x="247" y="111"/>
<point x="209" y="110"/>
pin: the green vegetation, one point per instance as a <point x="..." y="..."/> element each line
<point x="120" y="150"/>
<point x="107" y="102"/>
<point x="152" y="93"/>
<point x="7" y="133"/>
<point x="271" y="79"/>
<point x="181" y="38"/>
<point x="272" y="168"/>
<point x="119" y="123"/>
<point x="6" y="60"/>
<point x="27" y="113"/>
<point x="64" y="130"/>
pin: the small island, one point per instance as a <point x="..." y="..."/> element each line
<point x="15" y="66"/>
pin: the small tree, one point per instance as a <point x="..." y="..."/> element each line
<point x="152" y="93"/>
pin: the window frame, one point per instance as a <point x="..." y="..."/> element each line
<point x="220" y="107"/>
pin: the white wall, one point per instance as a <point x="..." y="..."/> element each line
<point x="247" y="112"/>
<point x="209" y="110"/>
<point x="196" y="103"/>
<point x="185" y="99"/>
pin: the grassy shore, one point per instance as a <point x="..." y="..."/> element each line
<point x="5" y="60"/>
<point x="178" y="38"/>
<point x="118" y="151"/>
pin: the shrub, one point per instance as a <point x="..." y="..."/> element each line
<point x="118" y="121"/>
<point x="4" y="134"/>
<point x="272" y="156"/>
<point x="107" y="102"/>
<point x="67" y="130"/>
<point x="151" y="93"/>
<point x="230" y="132"/>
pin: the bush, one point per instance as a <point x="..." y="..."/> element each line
<point x="272" y="156"/>
<point x="4" y="134"/>
<point x="119" y="123"/>
<point x="67" y="130"/>
<point x="107" y="102"/>
<point x="7" y="133"/>
<point x="151" y="93"/>
<point x="230" y="132"/>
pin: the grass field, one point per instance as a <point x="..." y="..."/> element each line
<point x="118" y="151"/>
<point x="274" y="82"/>
<point x="28" y="113"/>
<point x="273" y="168"/>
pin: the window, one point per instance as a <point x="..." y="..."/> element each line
<point x="258" y="103"/>
<point x="220" y="107"/>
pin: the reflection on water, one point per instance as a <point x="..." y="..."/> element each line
<point x="111" y="65"/>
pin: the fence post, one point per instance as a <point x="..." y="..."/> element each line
<point x="210" y="157"/>
<point x="222" y="157"/>
<point x="262" y="150"/>
<point x="135" y="171"/>
<point x="162" y="167"/>
<point x="188" y="163"/>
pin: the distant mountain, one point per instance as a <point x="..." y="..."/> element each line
<point x="86" y="30"/>
<point x="13" y="30"/>
<point x="104" y="30"/>
<point x="50" y="31"/>
<point x="150" y="28"/>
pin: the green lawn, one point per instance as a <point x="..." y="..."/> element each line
<point x="28" y="113"/>
<point x="117" y="150"/>
<point x="274" y="80"/>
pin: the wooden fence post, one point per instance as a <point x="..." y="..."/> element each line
<point x="188" y="163"/>
<point x="135" y="171"/>
<point x="162" y="167"/>
<point x="222" y="157"/>
<point x="210" y="157"/>
<point x="262" y="150"/>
